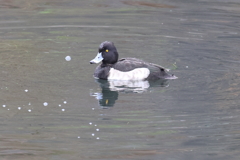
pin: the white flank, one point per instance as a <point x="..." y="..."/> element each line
<point x="134" y="86"/>
<point x="136" y="74"/>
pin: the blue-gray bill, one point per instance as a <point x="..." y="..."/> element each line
<point x="97" y="59"/>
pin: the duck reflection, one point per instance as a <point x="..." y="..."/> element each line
<point x="111" y="88"/>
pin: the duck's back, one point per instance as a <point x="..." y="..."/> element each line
<point x="149" y="71"/>
<point x="129" y="64"/>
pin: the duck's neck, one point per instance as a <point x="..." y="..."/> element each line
<point x="106" y="65"/>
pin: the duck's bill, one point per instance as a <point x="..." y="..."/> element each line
<point x="97" y="59"/>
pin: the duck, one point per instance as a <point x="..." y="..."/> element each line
<point x="128" y="69"/>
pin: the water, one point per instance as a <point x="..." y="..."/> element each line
<point x="52" y="107"/>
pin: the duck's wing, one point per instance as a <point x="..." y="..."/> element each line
<point x="156" y="71"/>
<point x="128" y="64"/>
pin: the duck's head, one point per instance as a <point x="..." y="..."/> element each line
<point x="107" y="53"/>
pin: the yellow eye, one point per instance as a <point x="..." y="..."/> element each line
<point x="106" y="50"/>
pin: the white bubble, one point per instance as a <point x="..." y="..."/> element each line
<point x="45" y="103"/>
<point x="29" y="110"/>
<point x="97" y="129"/>
<point x="4" y="105"/>
<point x="8" y="109"/>
<point x="95" y="125"/>
<point x="19" y="108"/>
<point x="97" y="138"/>
<point x="26" y="90"/>
<point x="93" y="134"/>
<point x="63" y="110"/>
<point x="93" y="108"/>
<point x="59" y="105"/>
<point x="90" y="123"/>
<point x="68" y="58"/>
<point x="186" y="66"/>
<point x="78" y="136"/>
<point x="65" y="102"/>
<point x="29" y="103"/>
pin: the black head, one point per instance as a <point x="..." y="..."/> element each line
<point x="107" y="53"/>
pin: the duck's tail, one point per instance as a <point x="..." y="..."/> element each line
<point x="170" y="76"/>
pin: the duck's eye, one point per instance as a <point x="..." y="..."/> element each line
<point x="106" y="50"/>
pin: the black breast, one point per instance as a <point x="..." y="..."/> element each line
<point x="102" y="71"/>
